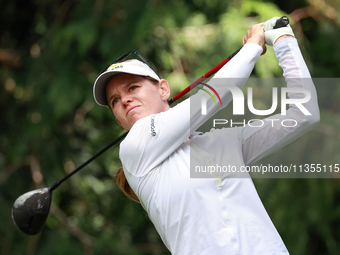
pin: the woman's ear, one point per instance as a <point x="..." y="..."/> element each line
<point x="164" y="89"/>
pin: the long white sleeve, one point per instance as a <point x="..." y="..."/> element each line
<point x="260" y="142"/>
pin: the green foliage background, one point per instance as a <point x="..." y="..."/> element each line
<point x="50" y="54"/>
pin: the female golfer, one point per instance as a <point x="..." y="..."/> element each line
<point x="203" y="216"/>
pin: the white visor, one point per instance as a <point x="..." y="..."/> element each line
<point x="132" y="66"/>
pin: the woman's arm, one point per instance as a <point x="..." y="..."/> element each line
<point x="141" y="151"/>
<point x="260" y="142"/>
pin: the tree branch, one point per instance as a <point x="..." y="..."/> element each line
<point x="84" y="238"/>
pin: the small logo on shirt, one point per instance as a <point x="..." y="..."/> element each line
<point x="152" y="125"/>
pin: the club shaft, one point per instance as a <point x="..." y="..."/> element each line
<point x="203" y="78"/>
<point x="283" y="21"/>
<point x="55" y="185"/>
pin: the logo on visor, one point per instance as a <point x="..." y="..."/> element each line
<point x="115" y="66"/>
<point x="212" y="89"/>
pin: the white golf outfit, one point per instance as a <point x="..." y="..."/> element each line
<point x="222" y="215"/>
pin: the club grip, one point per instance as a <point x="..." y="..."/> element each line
<point x="282" y="22"/>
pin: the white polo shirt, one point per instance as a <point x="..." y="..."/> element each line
<point x="223" y="215"/>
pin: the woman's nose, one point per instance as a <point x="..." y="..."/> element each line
<point x="126" y="99"/>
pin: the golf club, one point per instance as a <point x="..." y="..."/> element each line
<point x="31" y="209"/>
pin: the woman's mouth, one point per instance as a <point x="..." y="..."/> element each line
<point x="131" y="109"/>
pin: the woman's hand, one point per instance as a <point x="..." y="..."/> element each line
<point x="255" y="35"/>
<point x="272" y="35"/>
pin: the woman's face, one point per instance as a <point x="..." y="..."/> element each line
<point x="133" y="97"/>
